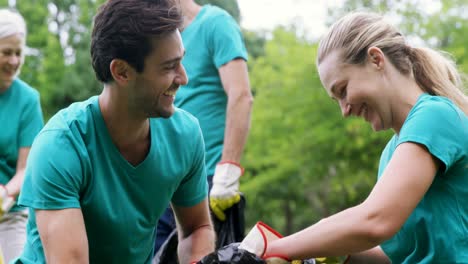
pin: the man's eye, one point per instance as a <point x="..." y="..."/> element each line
<point x="171" y="66"/>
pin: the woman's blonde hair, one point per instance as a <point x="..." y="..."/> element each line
<point x="433" y="71"/>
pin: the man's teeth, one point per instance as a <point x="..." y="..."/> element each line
<point x="170" y="93"/>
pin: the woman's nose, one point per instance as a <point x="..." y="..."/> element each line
<point x="345" y="108"/>
<point x="14" y="60"/>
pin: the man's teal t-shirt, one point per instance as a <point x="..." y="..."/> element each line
<point x="211" y="40"/>
<point x="74" y="164"/>
<point x="20" y="121"/>
<point x="437" y="230"/>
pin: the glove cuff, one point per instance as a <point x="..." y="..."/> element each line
<point x="233" y="163"/>
<point x="258" y="238"/>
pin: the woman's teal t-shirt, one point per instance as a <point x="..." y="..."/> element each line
<point x="437" y="230"/>
<point x="20" y="121"/>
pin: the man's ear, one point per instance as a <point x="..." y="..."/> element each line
<point x="121" y="71"/>
<point x="376" y="57"/>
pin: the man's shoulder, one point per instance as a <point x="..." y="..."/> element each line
<point x="76" y="116"/>
<point x="212" y="12"/>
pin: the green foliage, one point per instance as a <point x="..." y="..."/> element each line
<point x="59" y="67"/>
<point x="230" y="6"/>
<point x="255" y="43"/>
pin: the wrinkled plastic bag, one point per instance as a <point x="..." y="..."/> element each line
<point x="232" y="254"/>
<point x="167" y="253"/>
<point x="231" y="230"/>
<point x="227" y="232"/>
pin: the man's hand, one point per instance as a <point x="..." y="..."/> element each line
<point x="225" y="191"/>
<point x="6" y="201"/>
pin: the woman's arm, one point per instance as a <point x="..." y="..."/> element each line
<point x="404" y="182"/>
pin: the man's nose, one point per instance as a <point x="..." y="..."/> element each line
<point x="182" y="78"/>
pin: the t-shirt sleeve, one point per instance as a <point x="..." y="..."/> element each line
<point x="194" y="187"/>
<point x="53" y="174"/>
<point x="437" y="126"/>
<point x="227" y="43"/>
<point x="31" y="122"/>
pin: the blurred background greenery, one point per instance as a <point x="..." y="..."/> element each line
<point x="303" y="160"/>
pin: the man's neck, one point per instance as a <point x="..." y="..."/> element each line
<point x="125" y="128"/>
<point x="190" y="10"/>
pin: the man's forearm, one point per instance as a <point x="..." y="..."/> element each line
<point x="237" y="126"/>
<point x="197" y="245"/>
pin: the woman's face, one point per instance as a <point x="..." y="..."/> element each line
<point x="11" y="48"/>
<point x="358" y="89"/>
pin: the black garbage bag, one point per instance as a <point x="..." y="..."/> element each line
<point x="231" y="254"/>
<point x="234" y="255"/>
<point x="231" y="230"/>
<point x="167" y="254"/>
<point x="227" y="232"/>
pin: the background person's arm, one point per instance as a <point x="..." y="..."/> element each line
<point x="13" y="187"/>
<point x="235" y="80"/>
<point x="196" y="232"/>
<point x="63" y="236"/>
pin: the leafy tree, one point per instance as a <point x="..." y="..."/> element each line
<point x="58" y="64"/>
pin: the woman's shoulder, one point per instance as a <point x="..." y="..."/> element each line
<point x="24" y="90"/>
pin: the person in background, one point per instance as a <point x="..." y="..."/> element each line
<point x="102" y="171"/>
<point x="21" y="120"/>
<point x="218" y="94"/>
<point x="418" y="210"/>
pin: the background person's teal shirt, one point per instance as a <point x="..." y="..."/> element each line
<point x="211" y="40"/>
<point x="437" y="230"/>
<point x="20" y="121"/>
<point x="73" y="163"/>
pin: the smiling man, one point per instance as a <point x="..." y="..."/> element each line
<point x="102" y="171"/>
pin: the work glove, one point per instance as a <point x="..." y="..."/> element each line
<point x="6" y="201"/>
<point x="225" y="191"/>
<point x="257" y="241"/>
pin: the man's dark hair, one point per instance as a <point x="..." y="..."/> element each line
<point x="124" y="29"/>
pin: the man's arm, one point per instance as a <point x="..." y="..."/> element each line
<point x="196" y="232"/>
<point x="235" y="79"/>
<point x="63" y="235"/>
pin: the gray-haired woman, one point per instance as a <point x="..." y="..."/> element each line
<point x="20" y="120"/>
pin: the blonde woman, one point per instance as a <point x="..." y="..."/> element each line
<point x="20" y="119"/>
<point x="418" y="210"/>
